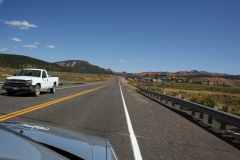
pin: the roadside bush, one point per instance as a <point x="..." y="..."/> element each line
<point x="195" y="98"/>
<point x="234" y="103"/>
<point x="235" y="110"/>
<point x="207" y="99"/>
<point x="132" y="83"/>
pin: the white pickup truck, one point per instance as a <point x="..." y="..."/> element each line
<point x="31" y="80"/>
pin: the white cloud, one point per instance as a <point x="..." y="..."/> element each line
<point x="36" y="43"/>
<point x="1" y="1"/>
<point x="24" y="25"/>
<point x="122" y="60"/>
<point x="16" y="39"/>
<point x="50" y="46"/>
<point x="3" y="49"/>
<point x="30" y="46"/>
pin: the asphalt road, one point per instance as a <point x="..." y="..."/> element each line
<point x="98" y="109"/>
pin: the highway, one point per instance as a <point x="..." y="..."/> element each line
<point x="137" y="127"/>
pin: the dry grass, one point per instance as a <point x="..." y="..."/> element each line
<point x="219" y="81"/>
<point x="63" y="76"/>
<point x="232" y="100"/>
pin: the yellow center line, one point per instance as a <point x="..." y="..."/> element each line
<point x="33" y="108"/>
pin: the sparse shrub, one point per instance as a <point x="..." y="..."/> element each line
<point x="195" y="98"/>
<point x="208" y="100"/>
<point x="234" y="103"/>
<point x="235" y="110"/>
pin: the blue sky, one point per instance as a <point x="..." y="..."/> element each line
<point x="126" y="35"/>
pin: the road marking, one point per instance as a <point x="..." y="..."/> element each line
<point x="136" y="150"/>
<point x="33" y="108"/>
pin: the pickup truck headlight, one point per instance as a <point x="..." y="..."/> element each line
<point x="29" y="82"/>
<point x="7" y="80"/>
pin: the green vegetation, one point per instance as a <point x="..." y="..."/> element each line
<point x="203" y="87"/>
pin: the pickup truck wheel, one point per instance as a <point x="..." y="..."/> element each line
<point x="53" y="89"/>
<point x="37" y="91"/>
<point x="10" y="93"/>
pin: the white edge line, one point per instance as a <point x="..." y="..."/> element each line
<point x="136" y="150"/>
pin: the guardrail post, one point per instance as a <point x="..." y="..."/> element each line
<point x="173" y="102"/>
<point x="223" y="124"/>
<point x="166" y="100"/>
<point x="161" y="98"/>
<point x="210" y="118"/>
<point x="193" y="111"/>
<point x="201" y="114"/>
<point x="181" y="106"/>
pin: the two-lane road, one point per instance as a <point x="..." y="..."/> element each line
<point x="117" y="112"/>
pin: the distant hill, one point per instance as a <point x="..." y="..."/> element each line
<point x="83" y="67"/>
<point x="79" y="66"/>
<point x="20" y="61"/>
<point x="202" y="74"/>
<point x="193" y="74"/>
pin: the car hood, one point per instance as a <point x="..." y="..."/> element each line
<point x="84" y="146"/>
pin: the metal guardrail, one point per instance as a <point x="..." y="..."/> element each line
<point x="70" y="83"/>
<point x="60" y="83"/>
<point x="211" y="112"/>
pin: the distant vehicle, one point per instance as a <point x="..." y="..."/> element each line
<point x="146" y="79"/>
<point x="31" y="80"/>
<point x="37" y="142"/>
<point x="157" y="80"/>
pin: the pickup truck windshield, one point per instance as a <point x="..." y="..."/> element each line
<point x="34" y="73"/>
